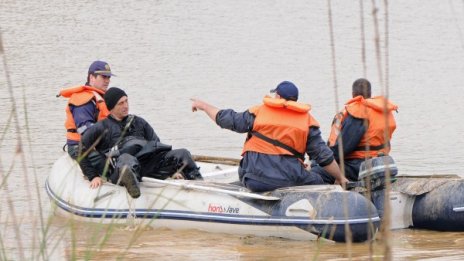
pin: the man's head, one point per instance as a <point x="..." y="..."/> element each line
<point x="362" y="87"/>
<point x="99" y="75"/>
<point x="117" y="103"/>
<point x="286" y="90"/>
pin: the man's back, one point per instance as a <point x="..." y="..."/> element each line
<point x="362" y="130"/>
<point x="378" y="117"/>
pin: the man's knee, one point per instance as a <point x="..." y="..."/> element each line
<point x="320" y="176"/>
<point x="258" y="186"/>
<point x="182" y="157"/>
<point x="125" y="161"/>
<point x="180" y="154"/>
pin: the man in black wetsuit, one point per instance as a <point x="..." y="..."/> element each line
<point x="123" y="148"/>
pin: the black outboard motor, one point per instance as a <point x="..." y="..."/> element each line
<point x="374" y="171"/>
<point x="373" y="175"/>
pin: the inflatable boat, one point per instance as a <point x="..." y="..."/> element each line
<point x="303" y="213"/>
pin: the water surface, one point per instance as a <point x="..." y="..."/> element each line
<point x="229" y="53"/>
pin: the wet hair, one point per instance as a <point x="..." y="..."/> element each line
<point x="362" y="87"/>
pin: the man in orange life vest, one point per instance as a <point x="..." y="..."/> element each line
<point x="280" y="132"/>
<point x="364" y="129"/>
<point x="86" y="105"/>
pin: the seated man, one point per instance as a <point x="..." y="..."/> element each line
<point x="362" y="130"/>
<point x="125" y="148"/>
<point x="280" y="132"/>
<point x="85" y="105"/>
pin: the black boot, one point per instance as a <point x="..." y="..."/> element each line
<point x="193" y="174"/>
<point x="128" y="179"/>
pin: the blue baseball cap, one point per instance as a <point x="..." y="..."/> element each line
<point x="287" y="90"/>
<point x="100" y="68"/>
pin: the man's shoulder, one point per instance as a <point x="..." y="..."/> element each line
<point x="255" y="109"/>
<point x="95" y="130"/>
<point x="353" y="122"/>
<point x="100" y="125"/>
<point x="106" y="123"/>
<point x="81" y="98"/>
<point x="89" y="105"/>
<point x="136" y="121"/>
<point x="136" y="118"/>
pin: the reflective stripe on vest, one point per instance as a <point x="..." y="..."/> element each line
<point x="81" y="129"/>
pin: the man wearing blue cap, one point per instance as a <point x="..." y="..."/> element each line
<point x="85" y="105"/>
<point x="280" y="132"/>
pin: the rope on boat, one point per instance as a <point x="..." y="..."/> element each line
<point x="217" y="160"/>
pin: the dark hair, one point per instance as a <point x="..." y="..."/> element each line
<point x="362" y="87"/>
<point x="87" y="83"/>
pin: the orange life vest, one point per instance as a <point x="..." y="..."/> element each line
<point x="80" y="95"/>
<point x="336" y="127"/>
<point x="377" y="112"/>
<point x="285" y="121"/>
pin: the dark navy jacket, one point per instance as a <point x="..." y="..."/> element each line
<point x="84" y="115"/>
<point x="352" y="130"/>
<point x="280" y="170"/>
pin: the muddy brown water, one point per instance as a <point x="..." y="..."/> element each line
<point x="229" y="53"/>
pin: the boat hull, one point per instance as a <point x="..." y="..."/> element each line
<point x="301" y="213"/>
<point x="441" y="209"/>
<point x="424" y="202"/>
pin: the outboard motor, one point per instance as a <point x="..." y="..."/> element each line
<point x="373" y="174"/>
